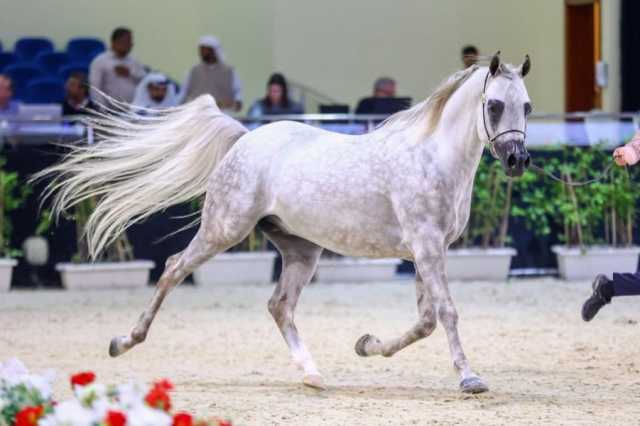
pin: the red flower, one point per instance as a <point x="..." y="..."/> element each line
<point x="82" y="379"/>
<point x="115" y="418"/>
<point x="29" y="416"/>
<point x="158" y="398"/>
<point x="182" y="419"/>
<point x="224" y="423"/>
<point x="163" y="384"/>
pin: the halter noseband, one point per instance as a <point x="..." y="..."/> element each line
<point x="484" y="120"/>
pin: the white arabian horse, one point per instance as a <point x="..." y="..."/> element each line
<point x="403" y="190"/>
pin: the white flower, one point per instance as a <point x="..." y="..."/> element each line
<point x="41" y="383"/>
<point x="70" y="413"/>
<point x="12" y="370"/>
<point x="130" y="395"/>
<point x="91" y="392"/>
<point x="143" y="415"/>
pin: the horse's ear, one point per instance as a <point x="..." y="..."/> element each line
<point x="526" y="66"/>
<point x="495" y="63"/>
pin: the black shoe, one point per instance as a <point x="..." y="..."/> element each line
<point x="598" y="298"/>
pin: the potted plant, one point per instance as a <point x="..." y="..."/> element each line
<point x="333" y="268"/>
<point x="249" y="262"/>
<point x="481" y="252"/>
<point x="597" y="220"/>
<point x="12" y="196"/>
<point x="117" y="270"/>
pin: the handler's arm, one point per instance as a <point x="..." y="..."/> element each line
<point x="630" y="153"/>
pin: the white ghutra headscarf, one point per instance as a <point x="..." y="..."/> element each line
<point x="144" y="100"/>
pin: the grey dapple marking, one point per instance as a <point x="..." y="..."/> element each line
<point x="403" y="190"/>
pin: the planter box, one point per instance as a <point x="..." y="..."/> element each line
<point x="348" y="269"/>
<point x="105" y="275"/>
<point x="479" y="264"/>
<point x="577" y="264"/>
<point x="238" y="267"/>
<point x="6" y="269"/>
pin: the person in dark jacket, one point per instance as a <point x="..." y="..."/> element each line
<point x="277" y="100"/>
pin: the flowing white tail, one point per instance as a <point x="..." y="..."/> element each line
<point x="141" y="165"/>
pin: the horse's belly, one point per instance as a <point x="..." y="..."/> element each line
<point x="344" y="231"/>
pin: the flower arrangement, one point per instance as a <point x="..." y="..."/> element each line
<point x="26" y="400"/>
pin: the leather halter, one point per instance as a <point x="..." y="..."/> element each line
<point x="484" y="120"/>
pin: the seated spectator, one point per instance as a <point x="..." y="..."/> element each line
<point x="384" y="87"/>
<point x="77" y="100"/>
<point x="8" y="107"/>
<point x="213" y="76"/>
<point x="155" y="91"/>
<point x="277" y="99"/>
<point x="115" y="72"/>
<point x="469" y="55"/>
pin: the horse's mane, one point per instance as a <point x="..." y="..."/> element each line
<point x="429" y="110"/>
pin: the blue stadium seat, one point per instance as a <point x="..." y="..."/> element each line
<point x="45" y="90"/>
<point x="27" y="48"/>
<point x="84" y="49"/>
<point x="21" y="74"/>
<point x="7" y="59"/>
<point x="51" y="62"/>
<point x="69" y="69"/>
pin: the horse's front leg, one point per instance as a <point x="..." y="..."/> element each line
<point x="430" y="262"/>
<point x="369" y="345"/>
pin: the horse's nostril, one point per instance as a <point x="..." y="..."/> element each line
<point x="511" y="161"/>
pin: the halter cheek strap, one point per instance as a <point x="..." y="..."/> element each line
<point x="484" y="120"/>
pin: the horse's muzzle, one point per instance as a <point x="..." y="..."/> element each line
<point x="516" y="159"/>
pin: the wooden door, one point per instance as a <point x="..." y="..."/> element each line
<point x="582" y="52"/>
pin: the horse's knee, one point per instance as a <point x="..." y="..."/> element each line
<point x="448" y="315"/>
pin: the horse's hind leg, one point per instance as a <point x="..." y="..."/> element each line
<point x="177" y="268"/>
<point x="218" y="231"/>
<point x="299" y="260"/>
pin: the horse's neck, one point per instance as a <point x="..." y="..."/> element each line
<point x="458" y="148"/>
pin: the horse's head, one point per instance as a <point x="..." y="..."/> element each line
<point x="502" y="122"/>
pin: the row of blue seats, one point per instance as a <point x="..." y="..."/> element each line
<point x="80" y="49"/>
<point x="32" y="85"/>
<point x="38" y="73"/>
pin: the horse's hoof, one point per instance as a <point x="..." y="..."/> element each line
<point x="361" y="344"/>
<point x="114" y="347"/>
<point x="473" y="385"/>
<point x="314" y="381"/>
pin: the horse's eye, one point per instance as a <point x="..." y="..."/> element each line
<point x="495" y="107"/>
<point x="527" y="109"/>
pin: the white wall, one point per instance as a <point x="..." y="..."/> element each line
<point x="611" y="95"/>
<point x="165" y="31"/>
<point x="340" y="47"/>
<point x="337" y="47"/>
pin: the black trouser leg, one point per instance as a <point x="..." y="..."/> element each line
<point x="626" y="284"/>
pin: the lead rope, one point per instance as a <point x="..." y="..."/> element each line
<point x="602" y="176"/>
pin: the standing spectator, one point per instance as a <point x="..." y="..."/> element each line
<point x="8" y="107"/>
<point x="277" y="99"/>
<point x="115" y="72"/>
<point x="384" y="87"/>
<point x="155" y="91"/>
<point x="213" y="76"/>
<point x="469" y="55"/>
<point x="77" y="100"/>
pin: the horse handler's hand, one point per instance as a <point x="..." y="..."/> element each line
<point x="625" y="155"/>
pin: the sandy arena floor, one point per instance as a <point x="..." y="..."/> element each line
<point x="226" y="356"/>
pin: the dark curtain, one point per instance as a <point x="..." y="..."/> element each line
<point x="630" y="55"/>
